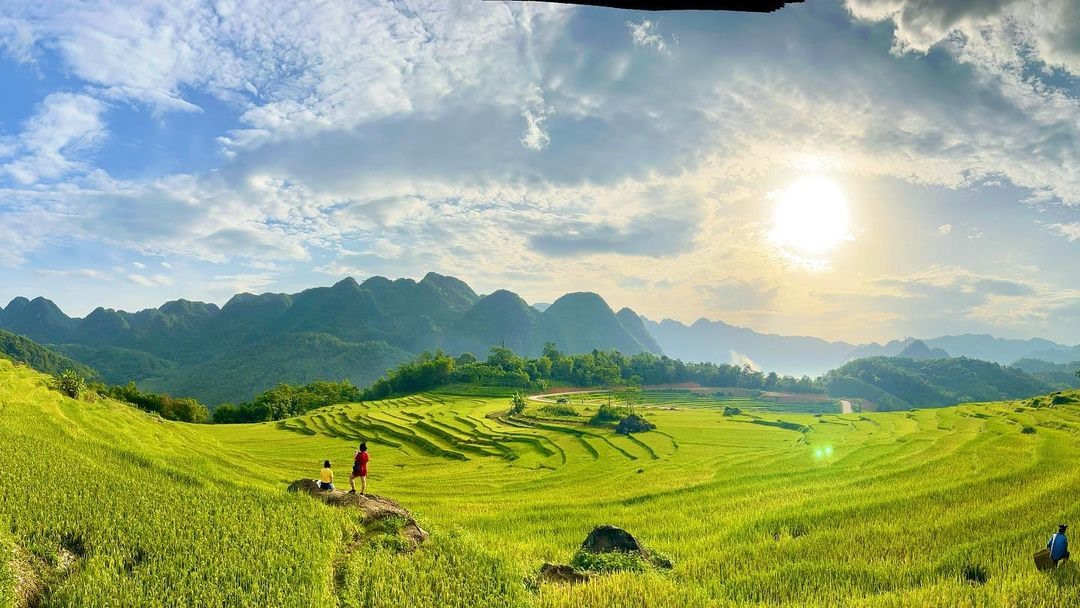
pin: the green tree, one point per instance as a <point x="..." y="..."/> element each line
<point x="630" y="396"/>
<point x="772" y="382"/>
<point x="505" y="359"/>
<point x="517" y="404"/>
<point x="70" y="383"/>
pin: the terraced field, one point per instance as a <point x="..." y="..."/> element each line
<point x="931" y="507"/>
<point x="712" y="398"/>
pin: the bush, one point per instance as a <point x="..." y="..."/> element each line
<point x="731" y="411"/>
<point x="517" y="404"/>
<point x="620" y="561"/>
<point x="615" y="561"/>
<point x="285" y="401"/>
<point x="558" y="410"/>
<point x="1028" y="430"/>
<point x="608" y="414"/>
<point x="183" y="409"/>
<point x="69" y="383"/>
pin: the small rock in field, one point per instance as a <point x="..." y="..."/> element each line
<point x="562" y="573"/>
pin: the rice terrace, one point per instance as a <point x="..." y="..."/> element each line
<point x="539" y="303"/>
<point x="749" y="512"/>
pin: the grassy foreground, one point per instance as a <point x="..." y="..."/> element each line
<point x="896" y="509"/>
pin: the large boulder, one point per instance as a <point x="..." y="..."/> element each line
<point x="374" y="509"/>
<point x="608" y="538"/>
<point x="634" y="424"/>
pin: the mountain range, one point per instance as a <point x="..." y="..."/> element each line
<point x="706" y="340"/>
<point x="351" y="330"/>
<point x="357" y="331"/>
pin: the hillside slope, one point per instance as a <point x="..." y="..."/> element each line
<point x="169" y="514"/>
<point x="26" y="351"/>
<point x="901" y="383"/>
<point x="198" y="349"/>
<point x="292" y="359"/>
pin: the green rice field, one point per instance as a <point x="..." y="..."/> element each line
<point x="801" y="506"/>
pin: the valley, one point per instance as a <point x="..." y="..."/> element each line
<point x="750" y="511"/>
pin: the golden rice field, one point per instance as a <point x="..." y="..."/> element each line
<point x="827" y="509"/>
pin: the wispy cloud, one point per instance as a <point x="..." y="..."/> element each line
<point x="1070" y="231"/>
<point x="64" y="125"/>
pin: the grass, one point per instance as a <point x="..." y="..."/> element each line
<point x="873" y="510"/>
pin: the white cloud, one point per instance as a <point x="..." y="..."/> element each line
<point x="1050" y="29"/>
<point x="944" y="229"/>
<point x="229" y="284"/>
<point x="645" y="34"/>
<point x="157" y="280"/>
<point x="64" y="125"/>
<point x="535" y="113"/>
<point x="16" y="39"/>
<point x="296" y="69"/>
<point x="85" y="273"/>
<point x="1070" y="231"/>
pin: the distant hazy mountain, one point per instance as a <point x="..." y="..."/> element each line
<point x="1061" y="354"/>
<point x="722" y="343"/>
<point x="1060" y="375"/>
<point x="350" y="330"/>
<point x="918" y="350"/>
<point x="974" y="346"/>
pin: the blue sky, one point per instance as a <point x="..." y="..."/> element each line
<point x="150" y="151"/>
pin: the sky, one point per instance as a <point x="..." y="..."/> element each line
<point x="156" y="150"/>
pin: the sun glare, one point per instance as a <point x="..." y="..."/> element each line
<point x="811" y="217"/>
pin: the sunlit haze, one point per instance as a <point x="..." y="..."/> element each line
<point x="811" y="217"/>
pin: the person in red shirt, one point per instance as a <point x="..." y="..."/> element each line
<point x="359" y="469"/>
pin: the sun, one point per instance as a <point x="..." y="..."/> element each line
<point x="811" y="217"/>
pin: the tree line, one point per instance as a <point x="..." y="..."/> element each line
<point x="503" y="367"/>
<point x="432" y="370"/>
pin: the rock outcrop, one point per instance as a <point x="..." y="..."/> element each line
<point x="375" y="509"/>
<point x="608" y="538"/>
<point x="634" y="424"/>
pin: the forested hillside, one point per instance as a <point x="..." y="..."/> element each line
<point x="354" y="331"/>
<point x="1056" y="374"/>
<point x="894" y="383"/>
<point x="26" y="351"/>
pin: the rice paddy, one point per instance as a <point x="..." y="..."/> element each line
<point x="796" y="505"/>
